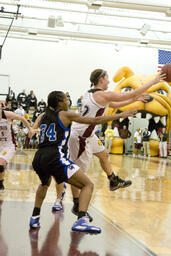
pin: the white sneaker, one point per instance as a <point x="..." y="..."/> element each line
<point x="57" y="205"/>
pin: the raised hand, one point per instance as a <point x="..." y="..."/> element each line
<point x="128" y="113"/>
<point x="159" y="77"/>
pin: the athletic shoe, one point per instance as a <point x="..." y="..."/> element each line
<point x="34" y="222"/>
<point x="75" y="211"/>
<point x="63" y="192"/>
<point x="57" y="205"/>
<point x="117" y="182"/>
<point x="82" y="225"/>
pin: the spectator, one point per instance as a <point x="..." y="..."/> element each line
<point x="69" y="100"/>
<point x="32" y="102"/>
<point x="24" y="104"/>
<point x="124" y="133"/>
<point x="79" y="104"/>
<point x="163" y="143"/>
<point x="11" y="94"/>
<point x="20" y="111"/>
<point x="137" y="143"/>
<point x="21" y="137"/>
<point x="42" y="105"/>
<point x="14" y="105"/>
<point x="21" y="95"/>
<point x="36" y="113"/>
<point x="29" y="95"/>
<point x="146" y="144"/>
<point x="109" y="134"/>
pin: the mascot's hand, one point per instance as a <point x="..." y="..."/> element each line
<point x="128" y="113"/>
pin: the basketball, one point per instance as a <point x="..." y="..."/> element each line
<point x="167" y="70"/>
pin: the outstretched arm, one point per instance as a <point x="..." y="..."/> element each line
<point x="119" y="104"/>
<point x="115" y="96"/>
<point x="68" y="117"/>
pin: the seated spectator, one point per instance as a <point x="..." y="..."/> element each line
<point x="21" y="137"/>
<point x="109" y="134"/>
<point x="42" y="105"/>
<point x="24" y="104"/>
<point x="69" y="100"/>
<point x="21" y="95"/>
<point x="20" y="111"/>
<point x="124" y="133"/>
<point x="32" y="102"/>
<point x="29" y="95"/>
<point x="36" y="113"/>
<point x="14" y="105"/>
<point x="79" y="104"/>
<point x="11" y="95"/>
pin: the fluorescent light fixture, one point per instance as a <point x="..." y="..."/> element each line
<point x="32" y="32"/>
<point x="94" y="4"/>
<point x="59" y="21"/>
<point x="145" y="28"/>
<point x="168" y="12"/>
<point x="51" y="21"/>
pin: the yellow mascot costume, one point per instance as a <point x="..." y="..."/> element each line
<point x="157" y="111"/>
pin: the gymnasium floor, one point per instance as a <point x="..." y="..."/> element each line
<point x="135" y="221"/>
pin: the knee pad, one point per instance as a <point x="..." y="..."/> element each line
<point x="1" y="168"/>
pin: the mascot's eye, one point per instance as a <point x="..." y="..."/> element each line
<point x="127" y="89"/>
<point x="162" y="92"/>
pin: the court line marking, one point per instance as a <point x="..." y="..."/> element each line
<point x="133" y="239"/>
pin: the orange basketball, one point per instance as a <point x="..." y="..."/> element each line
<point x="167" y="70"/>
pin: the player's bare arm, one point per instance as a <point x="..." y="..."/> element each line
<point x="93" y="120"/>
<point x="144" y="98"/>
<point x="116" y="96"/>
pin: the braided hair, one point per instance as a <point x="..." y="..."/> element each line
<point x="54" y="98"/>
<point x="96" y="75"/>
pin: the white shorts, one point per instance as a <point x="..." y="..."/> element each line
<point x="7" y="152"/>
<point x="92" y="145"/>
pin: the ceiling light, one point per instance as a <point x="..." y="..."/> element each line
<point x="32" y="32"/>
<point x="94" y="4"/>
<point x="59" y="21"/>
<point x="145" y="28"/>
<point x="168" y="12"/>
<point x="143" y="41"/>
<point x="51" y="21"/>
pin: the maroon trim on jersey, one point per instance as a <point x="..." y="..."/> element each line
<point x="87" y="133"/>
<point x="13" y="138"/>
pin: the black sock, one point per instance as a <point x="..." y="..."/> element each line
<point x="81" y="214"/>
<point x="1" y="183"/>
<point x="36" y="211"/>
<point x="76" y="200"/>
<point x="111" y="176"/>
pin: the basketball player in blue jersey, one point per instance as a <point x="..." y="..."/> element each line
<point x="52" y="157"/>
<point x="83" y="142"/>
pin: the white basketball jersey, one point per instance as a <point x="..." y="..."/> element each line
<point x="6" y="132"/>
<point x="90" y="108"/>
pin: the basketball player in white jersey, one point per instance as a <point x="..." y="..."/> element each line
<point x="7" y="140"/>
<point x="84" y="143"/>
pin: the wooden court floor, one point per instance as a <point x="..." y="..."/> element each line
<point x="135" y="221"/>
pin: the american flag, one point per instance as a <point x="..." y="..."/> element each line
<point x="164" y="57"/>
